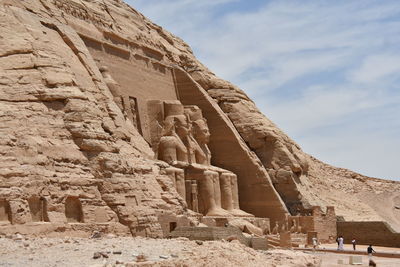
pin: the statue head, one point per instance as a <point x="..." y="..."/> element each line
<point x="175" y="115"/>
<point x="176" y="124"/>
<point x="168" y="129"/>
<point x="182" y="125"/>
<point x="200" y="129"/>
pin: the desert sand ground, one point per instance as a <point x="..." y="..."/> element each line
<point x="124" y="251"/>
<point x="58" y="252"/>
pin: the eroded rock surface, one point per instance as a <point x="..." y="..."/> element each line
<point x="63" y="139"/>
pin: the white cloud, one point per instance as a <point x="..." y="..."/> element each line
<point x="180" y="16"/>
<point x="352" y="128"/>
<point x="327" y="72"/>
<point x="317" y="107"/>
<point x="377" y="68"/>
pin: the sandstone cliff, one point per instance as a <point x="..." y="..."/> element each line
<point x="64" y="138"/>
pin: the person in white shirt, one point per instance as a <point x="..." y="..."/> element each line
<point x="340" y="242"/>
<point x="314" y="242"/>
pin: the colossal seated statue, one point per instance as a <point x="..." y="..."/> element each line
<point x="171" y="149"/>
<point x="227" y="195"/>
<point x="179" y="148"/>
<point x="201" y="135"/>
<point x="183" y="144"/>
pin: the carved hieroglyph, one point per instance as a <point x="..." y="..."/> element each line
<point x="183" y="136"/>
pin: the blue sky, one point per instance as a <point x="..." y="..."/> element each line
<point x="326" y="72"/>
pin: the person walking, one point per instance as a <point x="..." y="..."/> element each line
<point x="314" y="242"/>
<point x="369" y="251"/>
<point x="340" y="242"/>
<point x="354" y="243"/>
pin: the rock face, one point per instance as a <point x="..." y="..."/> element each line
<point x="66" y="147"/>
<point x="109" y="121"/>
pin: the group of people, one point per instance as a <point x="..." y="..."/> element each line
<point x="340" y="242"/>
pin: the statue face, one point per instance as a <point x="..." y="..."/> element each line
<point x="182" y="125"/>
<point x="202" y="131"/>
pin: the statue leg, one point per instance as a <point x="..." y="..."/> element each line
<point x="189" y="194"/>
<point x="180" y="183"/>
<point x="217" y="189"/>
<point x="207" y="192"/>
<point x="226" y="191"/>
<point x="178" y="179"/>
<point x="171" y="174"/>
<point x="195" y="202"/>
<point x="235" y="191"/>
<point x="236" y="211"/>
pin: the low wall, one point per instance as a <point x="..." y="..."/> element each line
<point x="209" y="233"/>
<point x="375" y="233"/>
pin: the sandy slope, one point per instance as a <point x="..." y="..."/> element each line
<point x="355" y="197"/>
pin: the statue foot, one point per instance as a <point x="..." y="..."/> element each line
<point x="240" y="213"/>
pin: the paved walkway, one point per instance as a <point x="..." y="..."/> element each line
<point x="385" y="256"/>
<point x="332" y="259"/>
<point x="393" y="255"/>
<point x="362" y="248"/>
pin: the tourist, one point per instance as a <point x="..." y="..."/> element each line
<point x="314" y="242"/>
<point x="340" y="243"/>
<point x="354" y="243"/>
<point x="369" y="251"/>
